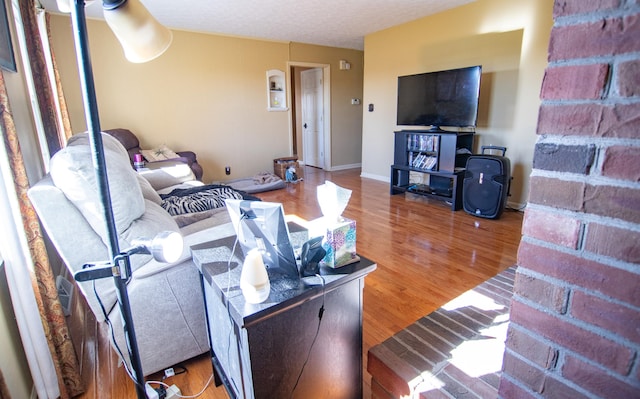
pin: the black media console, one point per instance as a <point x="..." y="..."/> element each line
<point x="440" y="154"/>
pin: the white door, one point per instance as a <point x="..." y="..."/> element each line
<point x="312" y="121"/>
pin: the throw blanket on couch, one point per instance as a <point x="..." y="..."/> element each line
<point x="199" y="199"/>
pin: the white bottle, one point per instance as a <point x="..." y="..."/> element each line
<point x="254" y="280"/>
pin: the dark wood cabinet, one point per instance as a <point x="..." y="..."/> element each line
<point x="440" y="155"/>
<point x="259" y="351"/>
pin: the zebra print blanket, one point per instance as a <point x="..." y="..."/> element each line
<point x="198" y="199"/>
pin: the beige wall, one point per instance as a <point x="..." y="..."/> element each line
<point x="207" y="93"/>
<point x="508" y="38"/>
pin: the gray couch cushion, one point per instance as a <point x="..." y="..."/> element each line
<point x="136" y="216"/>
<point x="167" y="174"/>
<point x="160" y="294"/>
<point x="147" y="190"/>
<point x="73" y="172"/>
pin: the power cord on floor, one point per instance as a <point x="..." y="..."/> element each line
<point x="173" y="371"/>
<point x="315" y="337"/>
<point x="167" y="386"/>
<point x="113" y="338"/>
<point x="168" y="372"/>
<point x="231" y="325"/>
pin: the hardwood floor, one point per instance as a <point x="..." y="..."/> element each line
<point x="426" y="255"/>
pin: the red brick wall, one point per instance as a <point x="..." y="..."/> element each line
<point x="575" y="316"/>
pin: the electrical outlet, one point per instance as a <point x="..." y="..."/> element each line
<point x="151" y="393"/>
<point x="227" y="170"/>
<point x="173" y="392"/>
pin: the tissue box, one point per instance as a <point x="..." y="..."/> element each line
<point x="340" y="243"/>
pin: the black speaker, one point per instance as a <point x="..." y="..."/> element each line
<point x="486" y="184"/>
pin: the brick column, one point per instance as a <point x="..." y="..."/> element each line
<point x="575" y="315"/>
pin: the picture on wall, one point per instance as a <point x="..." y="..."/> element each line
<point x="6" y="49"/>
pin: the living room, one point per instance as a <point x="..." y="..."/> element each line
<point x="204" y="80"/>
<point x="210" y="83"/>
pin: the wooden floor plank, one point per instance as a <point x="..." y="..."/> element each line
<point x="426" y="255"/>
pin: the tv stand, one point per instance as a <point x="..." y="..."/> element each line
<point x="439" y="154"/>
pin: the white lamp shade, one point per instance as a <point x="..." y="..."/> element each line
<point x="64" y="6"/>
<point x="254" y="280"/>
<point x="142" y="37"/>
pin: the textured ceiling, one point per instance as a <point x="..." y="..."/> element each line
<point x="336" y="23"/>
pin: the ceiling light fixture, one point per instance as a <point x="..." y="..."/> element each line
<point x="142" y="37"/>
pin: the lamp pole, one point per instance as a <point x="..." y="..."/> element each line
<point x="97" y="150"/>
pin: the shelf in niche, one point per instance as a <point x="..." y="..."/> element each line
<point x="276" y="91"/>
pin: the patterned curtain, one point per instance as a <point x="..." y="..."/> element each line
<point x="49" y="100"/>
<point x="43" y="281"/>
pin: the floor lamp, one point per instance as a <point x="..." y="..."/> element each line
<point x="143" y="39"/>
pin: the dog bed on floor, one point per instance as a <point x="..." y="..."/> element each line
<point x="261" y="182"/>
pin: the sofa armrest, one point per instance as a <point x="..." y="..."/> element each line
<point x="166" y="163"/>
<point x="193" y="163"/>
<point x="197" y="170"/>
<point x="189" y="155"/>
<point x="162" y="174"/>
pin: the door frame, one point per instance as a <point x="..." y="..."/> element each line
<point x="326" y="106"/>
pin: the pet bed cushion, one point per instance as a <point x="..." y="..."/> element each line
<point x="259" y="183"/>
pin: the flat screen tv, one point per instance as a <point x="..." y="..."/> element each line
<point x="438" y="99"/>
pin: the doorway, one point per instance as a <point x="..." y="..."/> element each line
<point x="310" y="118"/>
<point x="311" y="111"/>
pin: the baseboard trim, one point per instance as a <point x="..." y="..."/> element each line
<point x="336" y="168"/>
<point x="375" y="177"/>
<point x="344" y="167"/>
<point x="516" y="206"/>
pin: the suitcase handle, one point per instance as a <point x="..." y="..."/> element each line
<point x="494" y="147"/>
